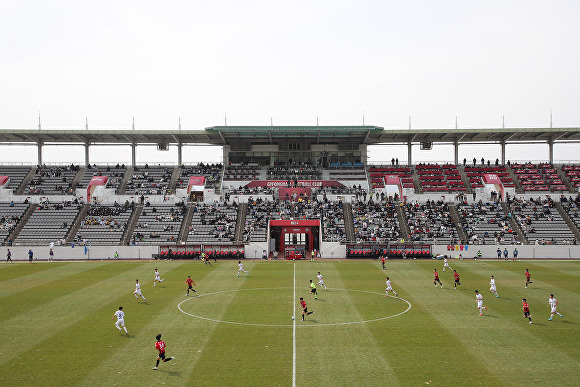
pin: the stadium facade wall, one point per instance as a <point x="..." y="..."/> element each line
<point x="20" y="253"/>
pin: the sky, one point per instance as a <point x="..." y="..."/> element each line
<point x="290" y="62"/>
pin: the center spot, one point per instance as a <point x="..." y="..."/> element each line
<point x="275" y="307"/>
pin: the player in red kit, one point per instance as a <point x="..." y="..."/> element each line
<point x="526" y="309"/>
<point x="528" y="275"/>
<point x="436" y="279"/>
<point x="305" y="311"/>
<point x="160" y="346"/>
<point x="189" y="283"/>
<point x="456" y="276"/>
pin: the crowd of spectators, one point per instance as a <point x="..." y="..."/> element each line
<point x="211" y="172"/>
<point x="213" y="222"/>
<point x="52" y="180"/>
<point x="375" y="222"/>
<point x="149" y="180"/>
<point x="333" y="229"/>
<point x="486" y="223"/>
<point x="431" y="222"/>
<point x="540" y="221"/>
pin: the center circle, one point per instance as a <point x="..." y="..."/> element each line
<point x="312" y="305"/>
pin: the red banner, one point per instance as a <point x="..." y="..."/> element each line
<point x="301" y="183"/>
<point x="295" y="223"/>
<point x="392" y="180"/>
<point x="4" y="180"/>
<point x="196" y="184"/>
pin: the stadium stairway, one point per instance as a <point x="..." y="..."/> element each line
<point x="458" y="224"/>
<point x="348" y="222"/>
<point x="123" y="183"/>
<point x="25" y="181"/>
<point x="174" y="179"/>
<point x="131" y="224"/>
<point x="72" y="232"/>
<point x="78" y="177"/>
<point x="564" y="178"/>
<point x="568" y="221"/>
<point x="185" y="223"/>
<point x="403" y="222"/>
<point x="519" y="188"/>
<point x="464" y="178"/>
<point x="240" y="222"/>
<point x="514" y="224"/>
<point x="20" y="224"/>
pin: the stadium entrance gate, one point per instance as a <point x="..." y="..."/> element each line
<point x="300" y="236"/>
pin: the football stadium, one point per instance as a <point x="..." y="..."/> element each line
<point x="306" y="193"/>
<point x="293" y="213"/>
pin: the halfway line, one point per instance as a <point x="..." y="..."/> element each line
<point x="294" y="331"/>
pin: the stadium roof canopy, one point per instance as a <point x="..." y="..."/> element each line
<point x="225" y="135"/>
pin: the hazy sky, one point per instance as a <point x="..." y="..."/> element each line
<point x="293" y="61"/>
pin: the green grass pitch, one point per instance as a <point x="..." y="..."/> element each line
<point x="55" y="320"/>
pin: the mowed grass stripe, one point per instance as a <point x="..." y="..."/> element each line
<point x="331" y="355"/>
<point x="12" y="271"/>
<point x="241" y="355"/>
<point x="39" y="278"/>
<point x="184" y="335"/>
<point x="420" y="332"/>
<point x="23" y="302"/>
<point x="497" y="338"/>
<point x="57" y="314"/>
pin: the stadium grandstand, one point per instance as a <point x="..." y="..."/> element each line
<point x="291" y="192"/>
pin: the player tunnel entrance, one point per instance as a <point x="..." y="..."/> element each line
<point x="295" y="236"/>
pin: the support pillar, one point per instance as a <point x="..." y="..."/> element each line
<point x="503" y="153"/>
<point x="456" y="152"/>
<point x="39" y="152"/>
<point x="551" y="151"/>
<point x="87" y="161"/>
<point x="409" y="153"/>
<point x="179" y="154"/>
<point x="133" y="154"/>
<point x="226" y="154"/>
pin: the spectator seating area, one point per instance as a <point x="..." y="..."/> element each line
<point x="212" y="173"/>
<point x="475" y="173"/>
<point x="16" y="175"/>
<point x="431" y="222"/>
<point x="148" y="180"/>
<point x="378" y="172"/>
<point x="104" y="225"/>
<point x="350" y="174"/>
<point x="571" y="208"/>
<point x="333" y="229"/>
<point x="572" y="172"/>
<point x="486" y="224"/>
<point x="114" y="173"/>
<point x="48" y="223"/>
<point x="375" y="222"/>
<point x="440" y="178"/>
<point x="306" y="209"/>
<point x="10" y="214"/>
<point x="540" y="221"/>
<point x="158" y="223"/>
<point x="241" y="172"/>
<point x="293" y="172"/>
<point x="213" y="223"/>
<point x="538" y="177"/>
<point x="52" y="180"/>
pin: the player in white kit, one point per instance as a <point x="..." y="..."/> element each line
<point x="321" y="280"/>
<point x="553" y="307"/>
<point x="241" y="268"/>
<point x="446" y="264"/>
<point x="492" y="287"/>
<point x="137" y="291"/>
<point x="120" y="315"/>
<point x="389" y="288"/>
<point x="157" y="278"/>
<point x="479" y="299"/>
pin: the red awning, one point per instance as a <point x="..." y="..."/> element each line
<point x="309" y="222"/>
